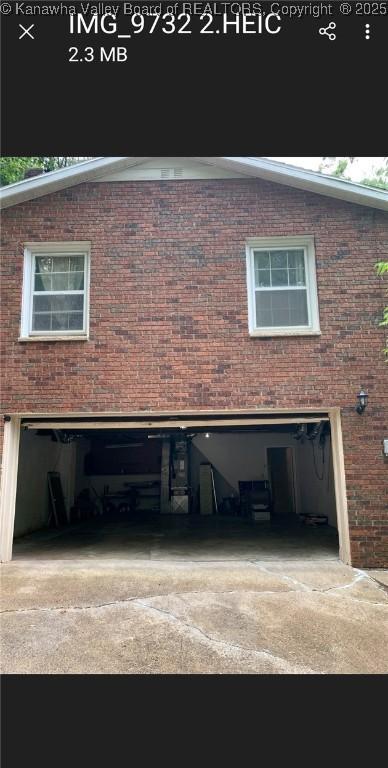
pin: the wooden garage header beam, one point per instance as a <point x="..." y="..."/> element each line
<point x="170" y="424"/>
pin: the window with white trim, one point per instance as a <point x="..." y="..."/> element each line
<point x="55" y="290"/>
<point x="282" y="288"/>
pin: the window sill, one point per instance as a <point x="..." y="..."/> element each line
<point x="285" y="333"/>
<point x="53" y="338"/>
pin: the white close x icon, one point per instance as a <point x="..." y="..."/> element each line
<point x="26" y="31"/>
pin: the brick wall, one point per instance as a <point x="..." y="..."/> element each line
<point x="169" y="324"/>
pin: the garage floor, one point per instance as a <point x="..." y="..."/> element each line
<point x="170" y="537"/>
<point x="193" y="598"/>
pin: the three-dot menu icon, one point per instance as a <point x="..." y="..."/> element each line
<point x="367" y="31"/>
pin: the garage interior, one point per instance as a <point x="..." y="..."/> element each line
<point x="187" y="490"/>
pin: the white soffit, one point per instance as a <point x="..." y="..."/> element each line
<point x="141" y="168"/>
<point x="172" y="169"/>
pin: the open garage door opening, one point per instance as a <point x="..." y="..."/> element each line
<point x="194" y="491"/>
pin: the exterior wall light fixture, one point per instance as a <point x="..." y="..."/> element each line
<point x="362" y="401"/>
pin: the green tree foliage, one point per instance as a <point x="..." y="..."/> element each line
<point x="334" y="166"/>
<point x="382" y="269"/>
<point x="338" y="166"/>
<point x="13" y="168"/>
<point x="380" y="180"/>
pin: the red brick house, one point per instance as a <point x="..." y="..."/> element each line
<point x="226" y="296"/>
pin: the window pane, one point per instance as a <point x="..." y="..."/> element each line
<point x="264" y="300"/>
<point x="298" y="307"/>
<point x="43" y="264"/>
<point x="76" y="321"/>
<point x="61" y="264"/>
<point x="263" y="278"/>
<point x="43" y="282"/>
<point x="278" y="259"/>
<point x="279" y="276"/>
<point x="76" y="263"/>
<point x="59" y="273"/>
<point x="276" y="299"/>
<point x="263" y="318"/>
<point x="282" y="317"/>
<point x="41" y="322"/>
<point x="74" y="303"/>
<point x="67" y="321"/>
<point x="60" y="321"/>
<point x="60" y="282"/>
<point x="55" y="303"/>
<point x="261" y="260"/>
<point x="41" y="304"/>
<point x="76" y="281"/>
<point x="281" y="308"/>
<point x="297" y="277"/>
<point x="296" y="259"/>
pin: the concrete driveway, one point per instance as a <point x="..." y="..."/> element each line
<point x="237" y="616"/>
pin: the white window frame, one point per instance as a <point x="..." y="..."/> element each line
<point x="278" y="243"/>
<point x="56" y="249"/>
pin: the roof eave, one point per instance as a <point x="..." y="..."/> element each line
<point x="262" y="168"/>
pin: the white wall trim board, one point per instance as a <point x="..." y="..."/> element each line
<point x="8" y="487"/>
<point x="340" y="486"/>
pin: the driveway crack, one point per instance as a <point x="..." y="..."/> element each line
<point x="286" y="666"/>
<point x="136" y="597"/>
